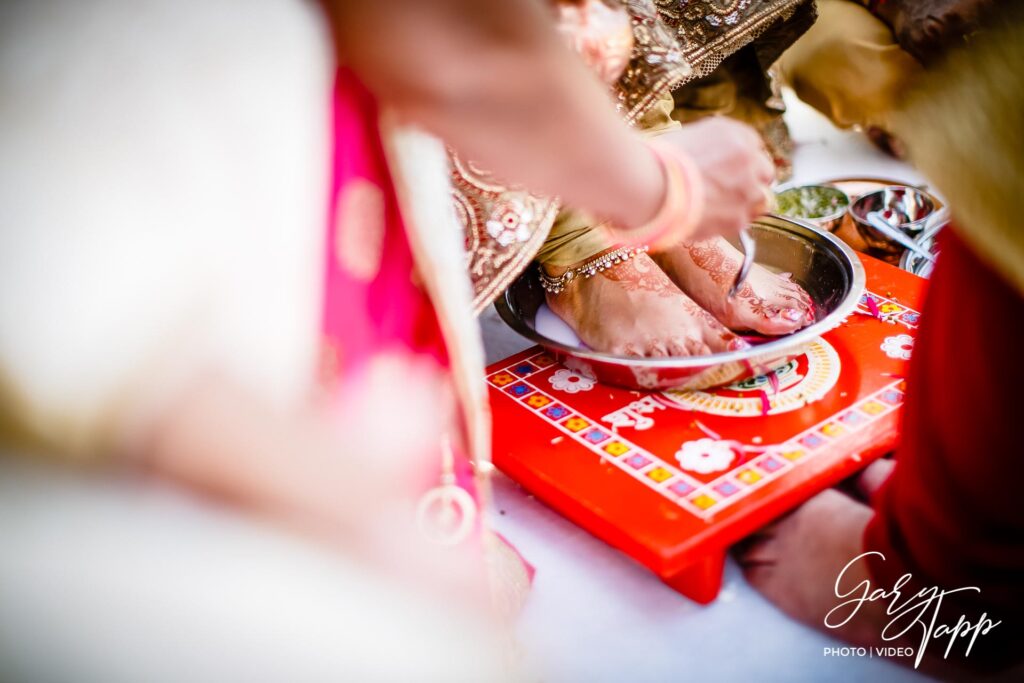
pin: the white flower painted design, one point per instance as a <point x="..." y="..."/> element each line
<point x="900" y="346"/>
<point x="705" y="456"/>
<point x="571" y="382"/>
<point x="510" y="222"/>
<point x="581" y="367"/>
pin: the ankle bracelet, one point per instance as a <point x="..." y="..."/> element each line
<point x="555" y="285"/>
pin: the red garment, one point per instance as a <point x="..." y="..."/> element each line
<point x="952" y="514"/>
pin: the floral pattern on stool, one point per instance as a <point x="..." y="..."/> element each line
<point x="705" y="456"/>
<point x="900" y="346"/>
<point x="571" y="382"/>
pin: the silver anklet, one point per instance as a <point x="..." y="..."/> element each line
<point x="555" y="285"/>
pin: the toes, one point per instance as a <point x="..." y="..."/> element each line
<point x="718" y="339"/>
<point x="787" y="313"/>
<point x="874" y="475"/>
<point x="759" y="576"/>
<point x="777" y="325"/>
<point x="758" y="557"/>
<point x="799" y="293"/>
<point x="785" y="285"/>
<point x="737" y="343"/>
<point x="793" y="301"/>
<point x="792" y="289"/>
<point x="657" y="350"/>
<point x="697" y="348"/>
<point x="794" y="315"/>
<point x="757" y="550"/>
<point x="722" y="340"/>
<point x="677" y="347"/>
<point x="630" y="350"/>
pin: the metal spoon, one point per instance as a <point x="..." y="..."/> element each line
<point x="749" y="247"/>
<point x="883" y="226"/>
<point x="940" y="217"/>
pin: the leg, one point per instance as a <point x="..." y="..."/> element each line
<point x="796" y="562"/>
<point x="766" y="303"/>
<point x="634" y="309"/>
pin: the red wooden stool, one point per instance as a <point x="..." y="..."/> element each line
<point x="674" y="478"/>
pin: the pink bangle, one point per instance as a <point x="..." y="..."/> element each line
<point x="681" y="209"/>
<point x="691" y="198"/>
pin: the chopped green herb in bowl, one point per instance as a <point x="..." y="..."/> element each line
<point x="822" y="205"/>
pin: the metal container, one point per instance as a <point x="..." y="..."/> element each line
<point x="822" y="264"/>
<point x="799" y="197"/>
<point x="913" y="262"/>
<point x="906" y="208"/>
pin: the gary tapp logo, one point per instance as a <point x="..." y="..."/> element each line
<point x="919" y="613"/>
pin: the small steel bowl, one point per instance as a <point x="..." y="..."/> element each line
<point x="905" y="207"/>
<point x="913" y="262"/>
<point x="798" y="196"/>
<point x="822" y="264"/>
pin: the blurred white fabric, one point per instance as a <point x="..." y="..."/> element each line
<point x="215" y="121"/>
<point x="164" y="172"/>
<point x="117" y="579"/>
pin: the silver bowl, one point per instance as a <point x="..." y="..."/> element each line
<point x="799" y="195"/>
<point x="822" y="264"/>
<point x="915" y="263"/>
<point x="905" y="207"/>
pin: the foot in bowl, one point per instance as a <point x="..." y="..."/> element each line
<point x="633" y="309"/>
<point x="766" y="303"/>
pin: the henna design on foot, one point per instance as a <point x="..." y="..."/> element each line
<point x="634" y="308"/>
<point x="766" y="303"/>
<point x="641" y="274"/>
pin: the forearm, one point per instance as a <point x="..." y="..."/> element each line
<point x="495" y="81"/>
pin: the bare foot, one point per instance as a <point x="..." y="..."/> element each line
<point x="796" y="562"/>
<point x="870" y="481"/>
<point x="807" y="560"/>
<point x="766" y="303"/>
<point x="634" y="309"/>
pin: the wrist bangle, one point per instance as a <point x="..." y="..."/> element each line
<point x="681" y="209"/>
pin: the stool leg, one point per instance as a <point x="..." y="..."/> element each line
<point x="701" y="580"/>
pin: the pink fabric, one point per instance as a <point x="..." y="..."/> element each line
<point x="387" y="312"/>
